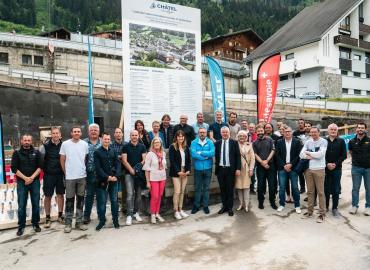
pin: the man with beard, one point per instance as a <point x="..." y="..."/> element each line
<point x="233" y="125"/>
<point x="167" y="130"/>
<point x="359" y="148"/>
<point x="26" y="163"/>
<point x="264" y="150"/>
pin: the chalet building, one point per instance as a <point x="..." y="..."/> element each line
<point x="324" y="49"/>
<point x="113" y="34"/>
<point x="233" y="46"/>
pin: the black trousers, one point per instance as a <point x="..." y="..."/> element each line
<point x="226" y="180"/>
<point x="269" y="176"/>
<point x="302" y="182"/>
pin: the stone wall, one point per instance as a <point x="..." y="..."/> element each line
<point x="331" y="84"/>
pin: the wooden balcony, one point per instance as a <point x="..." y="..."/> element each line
<point x="347" y="41"/>
<point x="364" y="28"/>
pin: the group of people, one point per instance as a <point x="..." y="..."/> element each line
<point x="289" y="163"/>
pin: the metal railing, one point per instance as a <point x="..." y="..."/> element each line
<point x="61" y="79"/>
<point x="303" y="103"/>
<point x="66" y="44"/>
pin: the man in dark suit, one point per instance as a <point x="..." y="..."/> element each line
<point x="228" y="166"/>
<point x="287" y="156"/>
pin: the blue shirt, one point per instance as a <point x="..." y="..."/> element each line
<point x="196" y="127"/>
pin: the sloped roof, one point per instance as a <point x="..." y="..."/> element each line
<point x="242" y="32"/>
<point x="306" y="27"/>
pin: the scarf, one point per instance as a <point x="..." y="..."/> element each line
<point x="159" y="155"/>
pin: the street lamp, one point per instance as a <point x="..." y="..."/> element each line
<point x="294" y="75"/>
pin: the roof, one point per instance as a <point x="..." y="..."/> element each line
<point x="242" y="32"/>
<point x="306" y="27"/>
<point x="58" y="30"/>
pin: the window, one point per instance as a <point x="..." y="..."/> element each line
<point x="344" y="90"/>
<point x="368" y="93"/>
<point x="361" y="12"/>
<point x="357" y="57"/>
<point x="357" y="74"/>
<point x="346" y="24"/>
<point x="4" y="58"/>
<point x="367" y="76"/>
<point x="284" y="77"/>
<point x="361" y="37"/>
<point x="38" y="60"/>
<point x="344" y="72"/>
<point x="367" y="58"/>
<point x="26" y="59"/>
<point x="289" y="56"/>
<point x="231" y="44"/>
<point x="357" y="92"/>
<point x="344" y="53"/>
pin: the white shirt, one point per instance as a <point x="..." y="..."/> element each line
<point x="227" y="162"/>
<point x="75" y="153"/>
<point x="182" y="153"/>
<point x="318" y="161"/>
<point x="152" y="165"/>
<point x="288" y="146"/>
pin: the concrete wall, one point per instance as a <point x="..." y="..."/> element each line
<point x="26" y="110"/>
<point x="309" y="81"/>
<point x="330" y="84"/>
<point x="105" y="68"/>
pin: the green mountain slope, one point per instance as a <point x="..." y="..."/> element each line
<point x="218" y="16"/>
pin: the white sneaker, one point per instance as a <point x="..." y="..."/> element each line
<point x="298" y="210"/>
<point x="183" y="214"/>
<point x="280" y="209"/>
<point x="138" y="218"/>
<point x="353" y="210"/>
<point x="153" y="219"/>
<point x="178" y="215"/>
<point x="128" y="220"/>
<point x="160" y="219"/>
<point x="367" y="211"/>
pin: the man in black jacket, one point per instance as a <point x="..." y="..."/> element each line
<point x="188" y="130"/>
<point x="228" y="165"/>
<point x="26" y="164"/>
<point x="264" y="150"/>
<point x="107" y="167"/>
<point x="53" y="175"/>
<point x="336" y="153"/>
<point x="288" y="150"/>
<point x="167" y="130"/>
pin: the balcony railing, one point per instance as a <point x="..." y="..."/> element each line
<point x="364" y="28"/>
<point x="352" y="42"/>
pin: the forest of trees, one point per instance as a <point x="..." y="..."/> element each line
<point x="218" y="16"/>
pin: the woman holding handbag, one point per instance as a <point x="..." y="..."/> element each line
<point x="155" y="174"/>
<point x="243" y="181"/>
<point x="180" y="167"/>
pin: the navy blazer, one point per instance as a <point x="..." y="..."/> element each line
<point x="234" y="155"/>
<point x="295" y="150"/>
<point x="175" y="161"/>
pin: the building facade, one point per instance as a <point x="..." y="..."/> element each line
<point x="324" y="49"/>
<point x="233" y="46"/>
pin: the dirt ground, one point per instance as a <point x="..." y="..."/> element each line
<point x="260" y="239"/>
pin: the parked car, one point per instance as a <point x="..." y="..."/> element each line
<point x="313" y="95"/>
<point x="284" y="94"/>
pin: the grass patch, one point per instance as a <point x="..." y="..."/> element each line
<point x="8" y="27"/>
<point x="353" y="100"/>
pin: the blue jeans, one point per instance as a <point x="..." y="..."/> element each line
<point x="332" y="186"/>
<point x="22" y="193"/>
<point x="133" y="195"/>
<point x="202" y="181"/>
<point x="357" y="174"/>
<point x="90" y="194"/>
<point x="284" y="176"/>
<point x="101" y="201"/>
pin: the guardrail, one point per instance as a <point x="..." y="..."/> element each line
<point x="66" y="44"/>
<point x="61" y="79"/>
<point x="303" y="103"/>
